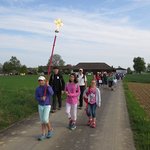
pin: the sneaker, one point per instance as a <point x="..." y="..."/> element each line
<point x="73" y="126"/>
<point x="49" y="134"/>
<point x="93" y="125"/>
<point x="70" y="124"/>
<point x="42" y="137"/>
<point x="89" y="122"/>
<point x="53" y="111"/>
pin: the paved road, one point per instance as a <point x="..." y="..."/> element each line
<point x="112" y="133"/>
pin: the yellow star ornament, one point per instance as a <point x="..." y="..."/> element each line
<point x="58" y="23"/>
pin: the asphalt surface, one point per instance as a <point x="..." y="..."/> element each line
<point x="112" y="132"/>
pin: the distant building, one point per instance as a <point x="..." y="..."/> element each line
<point x="93" y="67"/>
<point x="31" y="71"/>
<point x="120" y="70"/>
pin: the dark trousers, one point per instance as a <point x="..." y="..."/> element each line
<point x="110" y="83"/>
<point x="82" y="88"/>
<point x="56" y="97"/>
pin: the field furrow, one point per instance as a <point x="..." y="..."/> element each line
<point x="142" y="94"/>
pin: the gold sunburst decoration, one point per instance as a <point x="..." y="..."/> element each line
<point x="59" y="24"/>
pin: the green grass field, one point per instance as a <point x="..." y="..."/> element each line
<point x="17" y="98"/>
<point x="140" y="122"/>
<point x="139" y="78"/>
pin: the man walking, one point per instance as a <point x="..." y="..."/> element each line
<point x="82" y="81"/>
<point x="58" y="85"/>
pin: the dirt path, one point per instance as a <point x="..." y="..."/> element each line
<point x="112" y="133"/>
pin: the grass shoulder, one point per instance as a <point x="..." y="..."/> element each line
<point x="139" y="120"/>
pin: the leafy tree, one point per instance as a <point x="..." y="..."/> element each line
<point x="23" y="69"/>
<point x="139" y="64"/>
<point x="7" y="67"/>
<point x="57" y="60"/>
<point x="40" y="69"/>
<point x="13" y="65"/>
<point x="148" y="67"/>
<point x="129" y="71"/>
<point x="1" y="67"/>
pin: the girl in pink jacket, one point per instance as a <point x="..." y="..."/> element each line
<point x="72" y="91"/>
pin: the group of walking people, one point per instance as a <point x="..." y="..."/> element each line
<point x="49" y="92"/>
<point x="106" y="79"/>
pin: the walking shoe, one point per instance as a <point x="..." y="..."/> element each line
<point x="93" y="125"/>
<point x="42" y="137"/>
<point x="89" y="122"/>
<point x="70" y="124"/>
<point x="49" y="134"/>
<point x="73" y="126"/>
<point x="53" y="111"/>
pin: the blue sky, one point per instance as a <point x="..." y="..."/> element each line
<point x="110" y="31"/>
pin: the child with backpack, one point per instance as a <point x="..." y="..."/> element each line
<point x="72" y="91"/>
<point x="92" y="97"/>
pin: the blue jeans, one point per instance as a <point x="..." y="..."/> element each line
<point x="91" y="112"/>
<point x="44" y="112"/>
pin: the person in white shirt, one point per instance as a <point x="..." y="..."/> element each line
<point x="82" y="81"/>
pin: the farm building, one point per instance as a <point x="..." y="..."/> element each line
<point x="93" y="67"/>
<point x="120" y="70"/>
<point x="87" y="67"/>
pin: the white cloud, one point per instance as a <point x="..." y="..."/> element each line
<point x="83" y="37"/>
<point x="142" y="1"/>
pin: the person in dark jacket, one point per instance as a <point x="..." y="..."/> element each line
<point x="58" y="85"/>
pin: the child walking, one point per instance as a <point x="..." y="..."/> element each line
<point x="93" y="99"/>
<point x="44" y="107"/>
<point x="72" y="91"/>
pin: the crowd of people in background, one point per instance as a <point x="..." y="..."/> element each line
<point x="107" y="79"/>
<point x="49" y="95"/>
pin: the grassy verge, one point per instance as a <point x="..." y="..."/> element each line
<point x="139" y="120"/>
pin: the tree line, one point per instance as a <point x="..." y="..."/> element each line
<point x="13" y="66"/>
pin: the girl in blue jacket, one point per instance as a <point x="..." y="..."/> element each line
<point x="44" y="106"/>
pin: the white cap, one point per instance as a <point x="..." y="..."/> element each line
<point x="81" y="69"/>
<point x="41" y="78"/>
